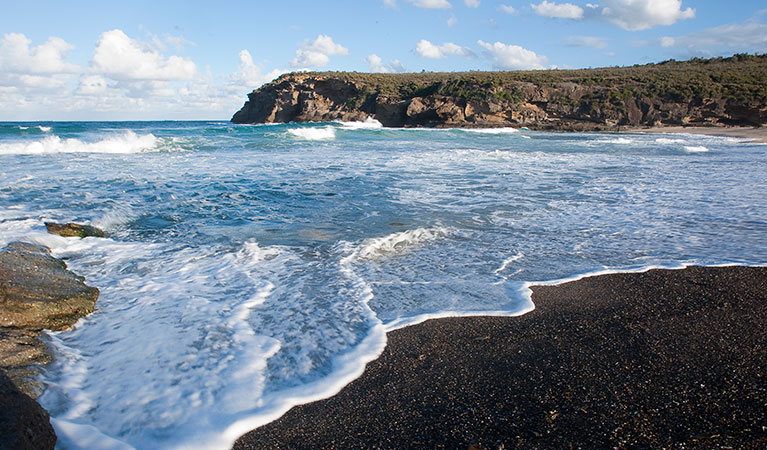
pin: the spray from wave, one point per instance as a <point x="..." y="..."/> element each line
<point x="128" y="142"/>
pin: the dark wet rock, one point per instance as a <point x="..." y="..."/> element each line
<point x="24" y="424"/>
<point x="73" y="230"/>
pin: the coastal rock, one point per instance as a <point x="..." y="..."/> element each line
<point x="36" y="292"/>
<point x="715" y="92"/>
<point x="73" y="230"/>
<point x="24" y="424"/>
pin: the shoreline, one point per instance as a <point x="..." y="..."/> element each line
<point x="757" y="134"/>
<point x="650" y="359"/>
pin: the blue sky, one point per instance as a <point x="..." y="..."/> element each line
<point x="141" y="60"/>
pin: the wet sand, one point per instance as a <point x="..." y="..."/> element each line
<point x="665" y="358"/>
<point x="758" y="134"/>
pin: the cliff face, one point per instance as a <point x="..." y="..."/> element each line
<point x="730" y="91"/>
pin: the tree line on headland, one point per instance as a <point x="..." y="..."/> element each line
<point x="700" y="92"/>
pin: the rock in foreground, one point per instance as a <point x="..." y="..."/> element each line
<point x="24" y="425"/>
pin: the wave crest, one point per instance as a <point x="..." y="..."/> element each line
<point x="128" y="142"/>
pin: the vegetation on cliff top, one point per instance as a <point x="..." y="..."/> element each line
<point x="740" y="77"/>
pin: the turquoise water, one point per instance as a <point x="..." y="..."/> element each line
<point x="250" y="268"/>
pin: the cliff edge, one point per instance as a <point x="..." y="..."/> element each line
<point x="700" y="92"/>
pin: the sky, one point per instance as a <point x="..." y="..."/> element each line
<point x="195" y="60"/>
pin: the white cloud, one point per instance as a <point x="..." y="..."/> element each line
<point x="452" y="21"/>
<point x="725" y="39"/>
<point x="636" y="15"/>
<point x="16" y="55"/>
<point x="92" y="84"/>
<point x="376" y="65"/>
<point x="426" y="49"/>
<point x="390" y="3"/>
<point x="121" y="58"/>
<point x="513" y="56"/>
<point x="558" y="10"/>
<point x="250" y="75"/>
<point x="317" y="53"/>
<point x="586" y="41"/>
<point x="471" y="3"/>
<point x="508" y="9"/>
<point x="432" y="4"/>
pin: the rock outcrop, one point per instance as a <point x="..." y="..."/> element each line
<point x="716" y="92"/>
<point x="73" y="230"/>
<point x="36" y="292"/>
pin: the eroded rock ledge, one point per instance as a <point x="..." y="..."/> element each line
<point x="701" y="92"/>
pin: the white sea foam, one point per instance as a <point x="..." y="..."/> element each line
<point x="695" y="149"/>
<point x="314" y="133"/>
<point x="368" y="124"/>
<point x="620" y="140"/>
<point x="670" y="141"/>
<point x="127" y="142"/>
<point x="44" y="129"/>
<point x="20" y="127"/>
<point x="504" y="130"/>
<point x="400" y="241"/>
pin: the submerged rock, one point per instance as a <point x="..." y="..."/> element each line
<point x="24" y="424"/>
<point x="73" y="230"/>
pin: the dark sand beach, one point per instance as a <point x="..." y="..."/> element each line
<point x="660" y="359"/>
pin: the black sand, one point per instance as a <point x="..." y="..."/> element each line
<point x="662" y="359"/>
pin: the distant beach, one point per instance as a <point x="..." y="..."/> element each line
<point x="758" y="134"/>
<point x="659" y="359"/>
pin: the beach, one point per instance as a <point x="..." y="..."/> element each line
<point x="758" y="134"/>
<point x="657" y="359"/>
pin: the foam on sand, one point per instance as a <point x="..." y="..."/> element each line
<point x="127" y="142"/>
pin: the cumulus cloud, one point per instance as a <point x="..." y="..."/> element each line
<point x="92" y="84"/>
<point x="636" y="15"/>
<point x="432" y="4"/>
<point x="558" y="10"/>
<point x="508" y="9"/>
<point x="317" y="53"/>
<point x="121" y="58"/>
<point x="426" y="49"/>
<point x="586" y="41"/>
<point x="249" y="74"/>
<point x="471" y="3"/>
<point x="513" y="56"/>
<point x="16" y="55"/>
<point x="376" y="65"/>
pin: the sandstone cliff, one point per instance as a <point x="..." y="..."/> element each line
<point x="714" y="92"/>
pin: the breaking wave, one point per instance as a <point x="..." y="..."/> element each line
<point x="127" y="142"/>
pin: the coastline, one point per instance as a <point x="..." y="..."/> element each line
<point x="663" y="358"/>
<point x="757" y="134"/>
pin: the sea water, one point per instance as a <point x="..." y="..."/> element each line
<point x="247" y="269"/>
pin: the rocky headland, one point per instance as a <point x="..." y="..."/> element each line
<point x="701" y="92"/>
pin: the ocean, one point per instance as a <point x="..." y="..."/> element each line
<point x="249" y="268"/>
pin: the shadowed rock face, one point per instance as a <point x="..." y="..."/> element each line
<point x="700" y="93"/>
<point x="24" y="425"/>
